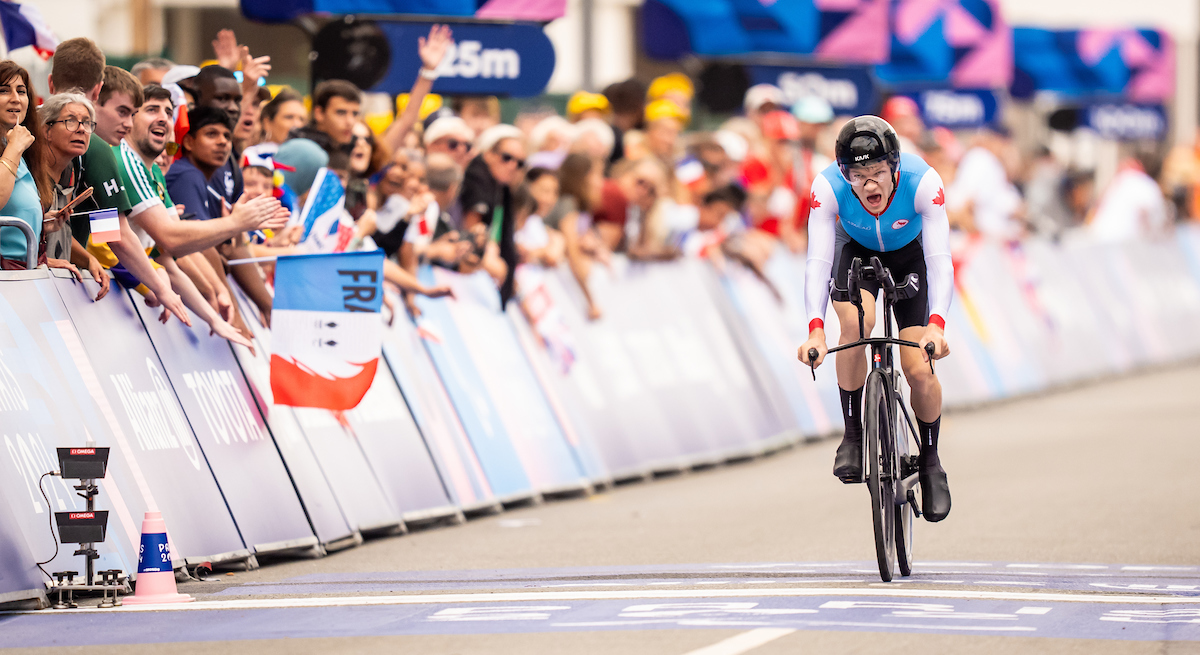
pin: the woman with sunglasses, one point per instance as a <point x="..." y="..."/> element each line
<point x="69" y="120"/>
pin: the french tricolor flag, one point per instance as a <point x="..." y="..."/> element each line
<point x="325" y="327"/>
<point x="106" y="225"/>
<point x="24" y="26"/>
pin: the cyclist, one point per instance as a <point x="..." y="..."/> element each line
<point x="876" y="201"/>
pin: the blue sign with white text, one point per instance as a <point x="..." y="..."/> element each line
<point x="1127" y="122"/>
<point x="485" y="59"/>
<point x="955" y="108"/>
<point x="849" y="89"/>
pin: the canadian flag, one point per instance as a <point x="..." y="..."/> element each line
<point x="325" y="327"/>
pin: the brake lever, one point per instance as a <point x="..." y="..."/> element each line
<point x="812" y="361"/>
<point x="930" y="349"/>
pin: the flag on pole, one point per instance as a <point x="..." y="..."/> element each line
<point x="327" y="226"/>
<point x="325" y="327"/>
<point x="24" y="26"/>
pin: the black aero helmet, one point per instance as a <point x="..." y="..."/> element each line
<point x="864" y="140"/>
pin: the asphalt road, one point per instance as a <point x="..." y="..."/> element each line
<point x="1075" y="529"/>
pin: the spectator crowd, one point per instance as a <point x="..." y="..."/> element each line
<point x="173" y="178"/>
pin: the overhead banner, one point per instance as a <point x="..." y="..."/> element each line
<point x="155" y="438"/>
<point x="231" y="432"/>
<point x="1137" y="65"/>
<point x="513" y="59"/>
<point x="849" y="89"/>
<point x="284" y="11"/>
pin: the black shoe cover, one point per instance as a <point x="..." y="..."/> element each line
<point x="847" y="466"/>
<point x="935" y="493"/>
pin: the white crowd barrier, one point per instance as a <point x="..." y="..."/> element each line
<point x="479" y="407"/>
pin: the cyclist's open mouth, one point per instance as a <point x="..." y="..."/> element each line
<point x="874" y="199"/>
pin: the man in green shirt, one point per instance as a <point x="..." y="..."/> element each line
<point x="79" y="65"/>
<point x="151" y="210"/>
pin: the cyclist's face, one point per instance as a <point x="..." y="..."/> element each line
<point x="873" y="184"/>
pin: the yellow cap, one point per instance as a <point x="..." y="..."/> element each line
<point x="210" y="62"/>
<point x="584" y="101"/>
<point x="671" y="84"/>
<point x="378" y="122"/>
<point x="665" y="109"/>
<point x="430" y="104"/>
<point x="276" y="88"/>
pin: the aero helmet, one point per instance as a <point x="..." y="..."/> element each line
<point x="864" y="140"/>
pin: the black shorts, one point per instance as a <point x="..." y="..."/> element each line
<point x="909" y="259"/>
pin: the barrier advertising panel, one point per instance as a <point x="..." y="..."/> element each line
<point x="45" y="404"/>
<point x="385" y="431"/>
<point x="19" y="577"/>
<point x="316" y="495"/>
<point x="155" y="437"/>
<point x="509" y="380"/>
<point x="766" y="319"/>
<point x="434" y="414"/>
<point x="244" y="459"/>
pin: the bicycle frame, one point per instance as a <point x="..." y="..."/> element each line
<point x="882" y="352"/>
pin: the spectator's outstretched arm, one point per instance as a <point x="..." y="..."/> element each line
<point x="394" y="273"/>
<point x="85" y="260"/>
<point x="431" y="50"/>
<point x="130" y="253"/>
<point x="182" y="238"/>
<point x="580" y="263"/>
<point x="196" y="302"/>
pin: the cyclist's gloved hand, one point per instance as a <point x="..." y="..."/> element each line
<point x="933" y="334"/>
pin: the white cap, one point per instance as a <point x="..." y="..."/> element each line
<point x="448" y="126"/>
<point x="734" y="144"/>
<point x="554" y="124"/>
<point x="760" y="94"/>
<point x="179" y="73"/>
<point x="497" y="133"/>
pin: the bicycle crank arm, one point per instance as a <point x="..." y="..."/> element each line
<point x="904" y="489"/>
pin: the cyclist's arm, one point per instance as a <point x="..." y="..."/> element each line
<point x="822" y="222"/>
<point x="935" y="241"/>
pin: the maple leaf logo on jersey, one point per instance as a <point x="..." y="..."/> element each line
<point x="813" y="202"/>
<point x="940" y="200"/>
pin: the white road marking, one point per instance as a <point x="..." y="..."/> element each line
<point x="1034" y="610"/>
<point x="548" y="596"/>
<point x="1072" y="567"/>
<point x="1022" y="583"/>
<point x="744" y="642"/>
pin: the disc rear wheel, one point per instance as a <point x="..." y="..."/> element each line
<point x="881" y="467"/>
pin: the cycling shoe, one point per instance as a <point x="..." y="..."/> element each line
<point x="847" y="466"/>
<point x="935" y="493"/>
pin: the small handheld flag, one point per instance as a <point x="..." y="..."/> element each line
<point x="106" y="225"/>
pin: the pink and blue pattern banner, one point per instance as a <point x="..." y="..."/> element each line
<point x="1137" y="65"/>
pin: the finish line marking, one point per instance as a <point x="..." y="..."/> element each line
<point x="738" y="644"/>
<point x="507" y="597"/>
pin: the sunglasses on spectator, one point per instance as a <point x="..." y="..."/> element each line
<point x="455" y="144"/>
<point x="73" y="124"/>
<point x="508" y="159"/>
<point x="171" y="148"/>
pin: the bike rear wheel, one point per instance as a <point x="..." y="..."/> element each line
<point x="881" y="465"/>
<point x="904" y="511"/>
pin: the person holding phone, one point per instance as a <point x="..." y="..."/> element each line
<point x="69" y="121"/>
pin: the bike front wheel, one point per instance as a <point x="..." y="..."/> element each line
<point x="881" y="467"/>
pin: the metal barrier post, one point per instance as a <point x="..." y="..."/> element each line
<point x="31" y="254"/>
